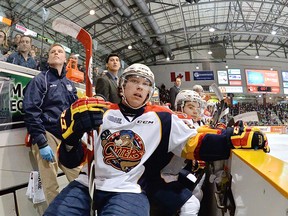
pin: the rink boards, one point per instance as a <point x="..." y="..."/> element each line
<point x="16" y="160"/>
<point x="259" y="180"/>
<point x="260" y="183"/>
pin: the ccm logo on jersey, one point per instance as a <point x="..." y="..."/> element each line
<point x="146" y="122"/>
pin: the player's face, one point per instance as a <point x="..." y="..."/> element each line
<point x="136" y="90"/>
<point x="192" y="108"/>
<point x="113" y="64"/>
<point x="57" y="56"/>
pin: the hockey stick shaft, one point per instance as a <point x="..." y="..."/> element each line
<point x="69" y="28"/>
<point x="220" y="112"/>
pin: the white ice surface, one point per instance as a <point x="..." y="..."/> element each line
<point x="279" y="146"/>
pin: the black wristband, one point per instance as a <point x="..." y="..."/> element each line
<point x="41" y="141"/>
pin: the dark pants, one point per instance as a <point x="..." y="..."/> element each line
<point x="73" y="200"/>
<point x="121" y="204"/>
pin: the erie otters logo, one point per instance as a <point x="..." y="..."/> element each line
<point x="122" y="150"/>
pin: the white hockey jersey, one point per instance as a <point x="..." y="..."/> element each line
<point x="124" y="145"/>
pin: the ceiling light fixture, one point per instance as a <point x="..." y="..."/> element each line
<point x="129" y="47"/>
<point x="273" y="32"/>
<point x="211" y="29"/>
<point x="92" y="12"/>
<point x="210" y="52"/>
<point x="257" y="56"/>
<point x="226" y="66"/>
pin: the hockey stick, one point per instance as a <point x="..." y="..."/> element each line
<point x="69" y="28"/>
<point x="218" y="114"/>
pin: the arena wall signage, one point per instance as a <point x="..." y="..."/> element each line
<point x="222" y="77"/>
<point x="203" y="75"/>
<point x="11" y="93"/>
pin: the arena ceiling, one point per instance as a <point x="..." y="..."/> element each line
<point x="157" y="29"/>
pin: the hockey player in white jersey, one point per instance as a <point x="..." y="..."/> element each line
<point x="174" y="195"/>
<point x="123" y="172"/>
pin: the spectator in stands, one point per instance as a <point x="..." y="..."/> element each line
<point x="32" y="53"/>
<point x="45" y="97"/>
<point x="107" y="85"/>
<point x="174" y="91"/>
<point x="199" y="89"/>
<point x="15" y="42"/>
<point x="95" y="75"/>
<point x="22" y="56"/>
<point x="3" y="45"/>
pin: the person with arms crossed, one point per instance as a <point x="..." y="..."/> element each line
<point x="46" y="96"/>
<point x="130" y="140"/>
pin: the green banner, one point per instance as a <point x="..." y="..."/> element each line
<point x="11" y="100"/>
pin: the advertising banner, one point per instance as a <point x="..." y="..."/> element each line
<point x="203" y="75"/>
<point x="11" y="99"/>
<point x="222" y="77"/>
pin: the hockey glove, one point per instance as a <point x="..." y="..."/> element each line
<point x="73" y="157"/>
<point x="47" y="153"/>
<point x="247" y="138"/>
<point x="83" y="116"/>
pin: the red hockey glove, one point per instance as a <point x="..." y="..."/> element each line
<point x="83" y="115"/>
<point x="247" y="137"/>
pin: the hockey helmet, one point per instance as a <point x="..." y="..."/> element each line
<point x="140" y="70"/>
<point x="186" y="96"/>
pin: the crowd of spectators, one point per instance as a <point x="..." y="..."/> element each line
<point x="39" y="55"/>
<point x="270" y="114"/>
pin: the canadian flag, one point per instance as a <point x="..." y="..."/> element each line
<point x="182" y="75"/>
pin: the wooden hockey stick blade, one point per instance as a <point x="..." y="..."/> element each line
<point x="217" y="91"/>
<point x="248" y="116"/>
<point x="220" y="108"/>
<point x="225" y="112"/>
<point x="67" y="27"/>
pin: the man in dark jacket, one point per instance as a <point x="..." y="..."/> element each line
<point x="45" y="98"/>
<point x="174" y="91"/>
<point x="107" y="84"/>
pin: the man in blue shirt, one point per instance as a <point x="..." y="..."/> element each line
<point x="22" y="56"/>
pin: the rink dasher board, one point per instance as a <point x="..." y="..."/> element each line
<point x="16" y="159"/>
<point x="260" y="183"/>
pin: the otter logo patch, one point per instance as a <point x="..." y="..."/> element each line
<point x="122" y="150"/>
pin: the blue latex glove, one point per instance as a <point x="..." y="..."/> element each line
<point x="47" y="153"/>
